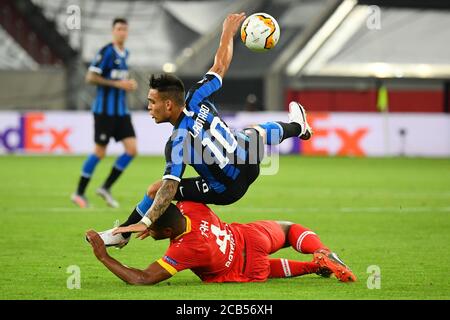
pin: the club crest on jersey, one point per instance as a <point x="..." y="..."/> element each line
<point x="200" y="121"/>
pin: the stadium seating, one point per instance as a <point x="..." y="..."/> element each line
<point x="13" y="56"/>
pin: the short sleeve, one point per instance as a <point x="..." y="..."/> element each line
<point x="174" y="153"/>
<point x="178" y="258"/>
<point x="209" y="84"/>
<point x="102" y="61"/>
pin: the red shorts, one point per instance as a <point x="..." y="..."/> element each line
<point x="261" y="238"/>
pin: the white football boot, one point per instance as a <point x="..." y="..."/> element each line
<point x="298" y="114"/>
<point x="107" y="196"/>
<point x="111" y="240"/>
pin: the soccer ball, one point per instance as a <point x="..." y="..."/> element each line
<point x="260" y="32"/>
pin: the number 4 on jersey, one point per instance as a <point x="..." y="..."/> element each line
<point x="222" y="243"/>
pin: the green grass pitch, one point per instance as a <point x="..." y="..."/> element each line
<point x="392" y="213"/>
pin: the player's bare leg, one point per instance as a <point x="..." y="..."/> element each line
<point x="121" y="163"/>
<point x="89" y="165"/>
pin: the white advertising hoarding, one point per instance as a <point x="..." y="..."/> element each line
<point x="348" y="134"/>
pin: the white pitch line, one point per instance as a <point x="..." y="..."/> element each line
<point x="256" y="209"/>
<point x="61" y="209"/>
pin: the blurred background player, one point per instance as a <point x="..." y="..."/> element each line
<point x="109" y="72"/>
<point x="215" y="250"/>
<point x="199" y="132"/>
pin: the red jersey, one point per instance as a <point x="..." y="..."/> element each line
<point x="212" y="249"/>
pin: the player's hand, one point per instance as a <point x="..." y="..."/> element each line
<point x="97" y="244"/>
<point x="232" y="22"/>
<point x="127" y="85"/>
<point x="138" y="227"/>
<point x="144" y="234"/>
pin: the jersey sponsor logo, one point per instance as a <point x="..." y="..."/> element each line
<point x="119" y="74"/>
<point x="200" y="120"/>
<point x="170" y="261"/>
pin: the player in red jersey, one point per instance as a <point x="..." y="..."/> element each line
<point x="219" y="252"/>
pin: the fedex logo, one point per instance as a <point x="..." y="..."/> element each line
<point x="32" y="135"/>
<point x="329" y="139"/>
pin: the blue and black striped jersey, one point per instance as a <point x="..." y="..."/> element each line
<point x="111" y="64"/>
<point x="203" y="140"/>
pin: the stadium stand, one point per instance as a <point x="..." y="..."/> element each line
<point x="342" y="74"/>
<point x="348" y="67"/>
<point x="13" y="56"/>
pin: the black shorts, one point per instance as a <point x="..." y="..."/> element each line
<point x="198" y="190"/>
<point x="112" y="126"/>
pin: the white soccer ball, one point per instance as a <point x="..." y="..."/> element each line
<point x="260" y="32"/>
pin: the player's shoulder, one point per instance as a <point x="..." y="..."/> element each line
<point x="107" y="48"/>
<point x="193" y="209"/>
<point x="182" y="125"/>
<point x="105" y="52"/>
<point x="191" y="205"/>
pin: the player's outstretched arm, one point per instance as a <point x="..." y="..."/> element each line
<point x="152" y="275"/>
<point x="163" y="198"/>
<point x="224" y="53"/>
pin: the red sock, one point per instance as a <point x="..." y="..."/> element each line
<point x="304" y="240"/>
<point x="283" y="268"/>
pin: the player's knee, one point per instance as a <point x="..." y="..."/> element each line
<point x="153" y="189"/>
<point x="132" y="151"/>
<point x="260" y="130"/>
<point x="100" y="153"/>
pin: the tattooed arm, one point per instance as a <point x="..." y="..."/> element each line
<point x="163" y="198"/>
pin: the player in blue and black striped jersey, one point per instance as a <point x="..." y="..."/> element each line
<point x="109" y="72"/>
<point x="227" y="162"/>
